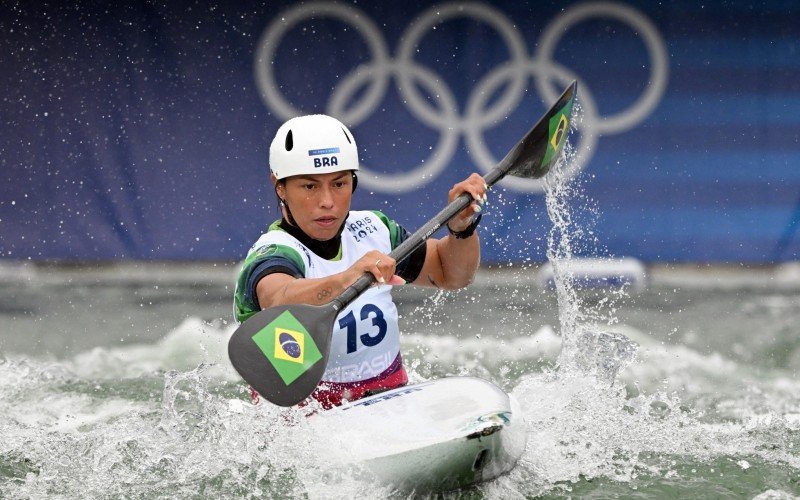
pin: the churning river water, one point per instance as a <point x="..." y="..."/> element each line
<point x="115" y="383"/>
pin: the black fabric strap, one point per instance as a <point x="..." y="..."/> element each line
<point x="270" y="266"/>
<point x="469" y="231"/>
<point x="410" y="268"/>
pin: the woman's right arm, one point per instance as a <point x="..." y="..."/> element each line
<point x="279" y="289"/>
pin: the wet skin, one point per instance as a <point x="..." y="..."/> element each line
<point x="319" y="203"/>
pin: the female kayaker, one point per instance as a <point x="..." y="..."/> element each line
<point x="320" y="246"/>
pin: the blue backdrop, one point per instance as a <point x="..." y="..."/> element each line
<point x="142" y="131"/>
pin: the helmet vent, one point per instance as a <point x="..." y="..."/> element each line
<point x="289" y="141"/>
<point x="347" y="136"/>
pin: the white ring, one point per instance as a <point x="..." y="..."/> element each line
<point x="437" y="15"/>
<point x="644" y="105"/>
<point x="585" y="113"/>
<point x="412" y="178"/>
<point x="268" y="44"/>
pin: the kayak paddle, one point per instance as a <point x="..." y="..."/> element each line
<point x="282" y="351"/>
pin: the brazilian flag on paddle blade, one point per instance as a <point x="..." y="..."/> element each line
<point x="288" y="347"/>
<point x="558" y="128"/>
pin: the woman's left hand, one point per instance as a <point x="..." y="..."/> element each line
<point x="476" y="187"/>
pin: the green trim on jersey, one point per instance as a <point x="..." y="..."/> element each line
<point x="338" y="256"/>
<point x="394" y="229"/>
<point x="245" y="307"/>
<point x="275" y="226"/>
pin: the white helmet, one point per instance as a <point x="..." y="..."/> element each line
<point x="313" y="144"/>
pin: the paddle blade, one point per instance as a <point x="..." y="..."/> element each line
<point x="533" y="156"/>
<point x="282" y="351"/>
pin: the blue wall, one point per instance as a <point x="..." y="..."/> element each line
<point x="143" y="131"/>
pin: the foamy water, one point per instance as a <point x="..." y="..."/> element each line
<point x="125" y="421"/>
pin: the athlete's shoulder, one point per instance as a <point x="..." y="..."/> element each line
<point x="381" y="215"/>
<point x="275" y="235"/>
<point x="397" y="234"/>
<point x="360" y="217"/>
<point x="275" y="244"/>
<point x="365" y="224"/>
<point x="360" y="214"/>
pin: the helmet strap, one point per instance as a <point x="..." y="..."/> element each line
<point x="284" y="205"/>
<point x="288" y="213"/>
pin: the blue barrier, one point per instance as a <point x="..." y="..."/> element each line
<point x="141" y="131"/>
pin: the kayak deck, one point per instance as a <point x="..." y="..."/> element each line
<point x="438" y="435"/>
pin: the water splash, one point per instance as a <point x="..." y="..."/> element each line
<point x="584" y="425"/>
<point x="66" y="436"/>
<point x="585" y="349"/>
<point x="581" y="431"/>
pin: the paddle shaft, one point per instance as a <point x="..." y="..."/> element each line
<point x="419" y="237"/>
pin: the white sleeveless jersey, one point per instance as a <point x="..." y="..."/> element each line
<point x="366" y="336"/>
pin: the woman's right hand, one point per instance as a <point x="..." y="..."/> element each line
<point x="379" y="265"/>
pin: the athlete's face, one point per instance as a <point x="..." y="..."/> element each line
<point x="319" y="203"/>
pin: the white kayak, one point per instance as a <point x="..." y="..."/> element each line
<point x="438" y="435"/>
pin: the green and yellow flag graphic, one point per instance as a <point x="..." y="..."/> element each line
<point x="558" y="129"/>
<point x="288" y="346"/>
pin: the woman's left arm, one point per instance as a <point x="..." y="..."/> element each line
<point x="451" y="262"/>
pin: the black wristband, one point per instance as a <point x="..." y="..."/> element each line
<point x="466" y="233"/>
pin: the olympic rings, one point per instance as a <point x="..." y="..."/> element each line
<point x="548" y="75"/>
